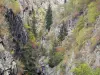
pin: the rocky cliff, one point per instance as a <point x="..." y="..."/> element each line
<point x="49" y="37"/>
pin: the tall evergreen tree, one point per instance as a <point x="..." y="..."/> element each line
<point x="63" y="32"/>
<point x="65" y="1"/>
<point x="48" y="17"/>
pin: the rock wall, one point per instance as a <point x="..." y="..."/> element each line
<point x="82" y="47"/>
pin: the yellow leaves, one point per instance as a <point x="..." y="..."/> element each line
<point x="13" y="4"/>
<point x="27" y="26"/>
<point x="15" y="7"/>
<point x="93" y="41"/>
<point x="12" y="52"/>
<point x="32" y="37"/>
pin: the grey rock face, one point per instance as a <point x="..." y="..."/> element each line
<point x="7" y="65"/>
<point x="16" y="27"/>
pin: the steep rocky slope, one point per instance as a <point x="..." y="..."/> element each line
<point x="49" y="37"/>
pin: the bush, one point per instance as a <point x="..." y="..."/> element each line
<point x="55" y="59"/>
<point x="83" y="35"/>
<point x="29" y="59"/>
<point x="80" y="25"/>
<point x="77" y="5"/>
<point x="27" y="26"/>
<point x="13" y="4"/>
<point x="85" y="69"/>
<point x="81" y="32"/>
<point x="92" y="12"/>
<point x="31" y="36"/>
<point x="82" y="69"/>
<point x="16" y="7"/>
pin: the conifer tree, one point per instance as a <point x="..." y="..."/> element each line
<point x="48" y="18"/>
<point x="63" y="32"/>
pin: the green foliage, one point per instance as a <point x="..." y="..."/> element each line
<point x="63" y="32"/>
<point x="27" y="26"/>
<point x="34" y="24"/>
<point x="76" y="5"/>
<point x="31" y="26"/>
<point x="80" y="25"/>
<point x="80" y="4"/>
<point x="83" y="35"/>
<point x="48" y="17"/>
<point x="84" y="69"/>
<point x="97" y="71"/>
<point x="15" y="6"/>
<point x="92" y="12"/>
<point x="55" y="59"/>
<point x="31" y="36"/>
<point x="93" y="41"/>
<point x="29" y="58"/>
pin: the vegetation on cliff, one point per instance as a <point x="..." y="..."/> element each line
<point x="65" y="45"/>
<point x="49" y="17"/>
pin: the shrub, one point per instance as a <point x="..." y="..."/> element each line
<point x="27" y="26"/>
<point x="83" y="35"/>
<point x="92" y="12"/>
<point x="31" y="36"/>
<point x="13" y="4"/>
<point x="82" y="69"/>
<point x="80" y="25"/>
<point x="77" y="5"/>
<point x="80" y="4"/>
<point x="28" y="59"/>
<point x="55" y="59"/>
<point x="85" y="69"/>
<point x="16" y="7"/>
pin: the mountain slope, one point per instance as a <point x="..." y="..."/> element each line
<point x="47" y="37"/>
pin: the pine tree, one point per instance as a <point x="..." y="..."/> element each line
<point x="65" y="1"/>
<point x="48" y="18"/>
<point x="63" y="32"/>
